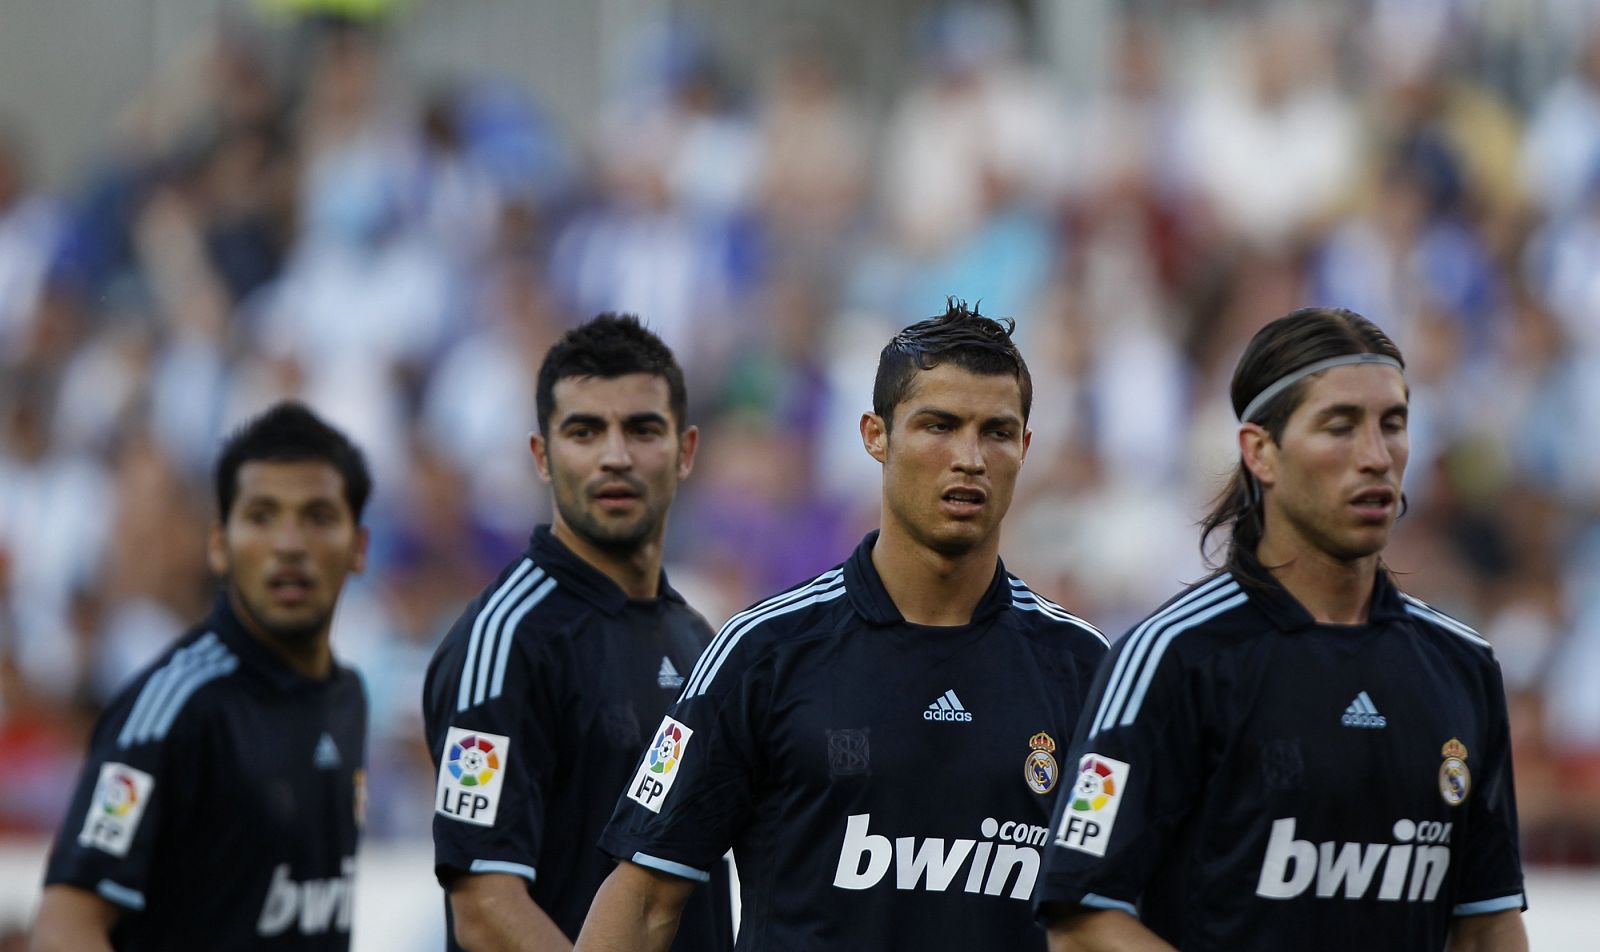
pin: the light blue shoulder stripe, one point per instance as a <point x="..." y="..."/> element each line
<point x="120" y="894"/>
<point x="168" y="689"/>
<point x="496" y="631"/>
<point x="668" y="866"/>
<point x="182" y="691"/>
<point x="824" y="595"/>
<point x="510" y="631"/>
<point x="1172" y="632"/>
<point x="711" y="659"/>
<point x="464" y="696"/>
<point x="1094" y="901"/>
<point x="1130" y="661"/>
<point x="1025" y="599"/>
<point x="500" y="866"/>
<point x="1421" y="609"/>
<point x="1486" y="906"/>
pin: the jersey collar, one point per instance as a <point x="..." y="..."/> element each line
<point x="872" y="602"/>
<point x="578" y="576"/>
<point x="1289" y="615"/>
<point x="258" y="657"/>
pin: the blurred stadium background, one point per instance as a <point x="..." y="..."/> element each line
<point x="391" y="209"/>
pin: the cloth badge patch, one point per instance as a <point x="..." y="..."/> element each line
<point x="471" y="775"/>
<point x="1092" y="804"/>
<point x="659" y="770"/>
<point x="120" y="796"/>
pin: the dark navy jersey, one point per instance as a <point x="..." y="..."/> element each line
<point x="1247" y="778"/>
<point x="536" y="704"/>
<point x="222" y="800"/>
<point x="884" y="785"/>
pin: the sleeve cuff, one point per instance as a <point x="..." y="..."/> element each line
<point x="121" y="895"/>
<point x="499" y="866"/>
<point x="1485" y="906"/>
<point x="680" y="870"/>
<point x="1093" y="901"/>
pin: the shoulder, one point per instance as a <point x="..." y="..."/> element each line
<point x="813" y="606"/>
<point x="524" y="604"/>
<point x="1193" y="621"/>
<point x="1051" y="617"/>
<point x="1452" y="632"/>
<point x="183" y="684"/>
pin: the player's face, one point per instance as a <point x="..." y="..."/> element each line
<point x="1333" y="482"/>
<point x="614" y="458"/>
<point x="951" y="458"/>
<point x="287" y="546"/>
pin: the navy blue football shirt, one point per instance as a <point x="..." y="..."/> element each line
<point x="1247" y="778"/>
<point x="883" y="785"/>
<point x="536" y="704"/>
<point x="222" y="799"/>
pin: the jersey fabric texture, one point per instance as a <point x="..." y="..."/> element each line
<point x="1247" y="778"/>
<point x="536" y="704"/>
<point x="884" y="785"/>
<point x="221" y="802"/>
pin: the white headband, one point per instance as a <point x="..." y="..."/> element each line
<point x="1290" y="379"/>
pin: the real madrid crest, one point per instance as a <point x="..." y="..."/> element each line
<point x="1455" y="780"/>
<point x="1040" y="769"/>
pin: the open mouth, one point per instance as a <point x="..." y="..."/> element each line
<point x="289" y="586"/>
<point x="963" y="500"/>
<point x="1374" y="503"/>
<point x="617" y="497"/>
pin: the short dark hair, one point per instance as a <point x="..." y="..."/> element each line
<point x="1298" y="339"/>
<point x="288" y="432"/>
<point x="960" y="336"/>
<point x="610" y="345"/>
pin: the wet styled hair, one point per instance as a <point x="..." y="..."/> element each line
<point x="288" y="432"/>
<point x="961" y="337"/>
<point x="610" y="345"/>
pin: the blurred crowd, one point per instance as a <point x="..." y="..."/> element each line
<point x="300" y="215"/>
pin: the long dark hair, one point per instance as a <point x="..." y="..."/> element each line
<point x="1298" y="339"/>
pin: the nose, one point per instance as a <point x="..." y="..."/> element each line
<point x="614" y="455"/>
<point x="1372" y="450"/>
<point x="288" y="538"/>
<point x="967" y="448"/>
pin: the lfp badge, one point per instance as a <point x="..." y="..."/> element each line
<point x="471" y="771"/>
<point x="1092" y="805"/>
<point x="659" y="770"/>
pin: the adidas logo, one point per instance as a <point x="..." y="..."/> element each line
<point x="1363" y="713"/>
<point x="947" y="708"/>
<point x="668" y="676"/>
<point x="327" y="755"/>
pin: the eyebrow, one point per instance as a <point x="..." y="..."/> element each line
<point x="599" y="422"/>
<point x="948" y="416"/>
<point x="1356" y="410"/>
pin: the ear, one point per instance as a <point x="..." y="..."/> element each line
<point x="217" y="549"/>
<point x="875" y="436"/>
<point x="1027" y="441"/>
<point x="541" y="454"/>
<point x="687" y="444"/>
<point x="358" y="564"/>
<point x="1259" y="453"/>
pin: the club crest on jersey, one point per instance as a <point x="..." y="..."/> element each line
<point x="1092" y="807"/>
<point x="659" y="769"/>
<point x="1455" y="780"/>
<point x="471" y="775"/>
<point x="1040" y="769"/>
<point x="120" y="797"/>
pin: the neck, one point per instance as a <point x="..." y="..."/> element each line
<point x="637" y="572"/>
<point x="1335" y="591"/>
<point x="929" y="587"/>
<point x="310" y="656"/>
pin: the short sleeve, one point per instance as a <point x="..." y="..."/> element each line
<point x="137" y="782"/>
<point x="1136" y="764"/>
<point x="1491" y="874"/>
<point x="694" y="787"/>
<point x="495" y="755"/>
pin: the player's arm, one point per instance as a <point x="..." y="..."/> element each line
<point x="636" y="910"/>
<point x="73" y="920"/>
<point x="1494" y="932"/>
<point x="1102" y="930"/>
<point x="494" y="913"/>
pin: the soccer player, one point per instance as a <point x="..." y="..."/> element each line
<point x="222" y="798"/>
<point x="878" y="745"/>
<point x="537" y="699"/>
<point x="1294" y="754"/>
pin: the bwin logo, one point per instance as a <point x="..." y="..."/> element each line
<point x="947" y="708"/>
<point x="318" y="905"/>
<point x="1363" y="713"/>
<point x="864" y="859"/>
<point x="1291" y="865"/>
